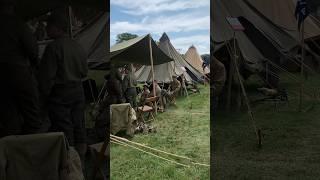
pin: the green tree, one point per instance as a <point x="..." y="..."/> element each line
<point x="125" y="37"/>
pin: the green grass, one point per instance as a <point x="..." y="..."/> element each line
<point x="290" y="144"/>
<point x="183" y="130"/>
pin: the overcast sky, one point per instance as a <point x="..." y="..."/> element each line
<point x="186" y="22"/>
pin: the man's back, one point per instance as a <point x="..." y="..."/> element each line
<point x="64" y="62"/>
<point x="71" y="60"/>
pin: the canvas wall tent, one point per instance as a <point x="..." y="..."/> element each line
<point x="194" y="59"/>
<point x="163" y="73"/>
<point x="137" y="51"/>
<point x="223" y="34"/>
<point x="262" y="40"/>
<point x="273" y="39"/>
<point x="166" y="46"/>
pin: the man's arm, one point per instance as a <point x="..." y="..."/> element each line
<point x="125" y="83"/>
<point x="30" y="45"/>
<point x="84" y="70"/>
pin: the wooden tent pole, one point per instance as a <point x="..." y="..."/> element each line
<point x="152" y="70"/>
<point x="257" y="131"/>
<point x="230" y="78"/>
<point x="70" y="22"/>
<point x="302" y="61"/>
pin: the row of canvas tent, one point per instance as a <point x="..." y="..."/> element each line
<point x="189" y="65"/>
<point x="270" y="35"/>
<point x="167" y="61"/>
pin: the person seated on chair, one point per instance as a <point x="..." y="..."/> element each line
<point x="159" y="93"/>
<point x="145" y="93"/>
<point x="157" y="89"/>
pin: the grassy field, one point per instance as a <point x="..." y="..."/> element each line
<point x="291" y="139"/>
<point x="183" y="130"/>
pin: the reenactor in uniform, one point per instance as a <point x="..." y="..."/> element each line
<point x="19" y="109"/>
<point x="62" y="68"/>
<point x="218" y="79"/>
<point x="114" y="96"/>
<point x="129" y="84"/>
<point x="175" y="89"/>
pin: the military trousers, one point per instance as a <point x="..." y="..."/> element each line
<point x="66" y="111"/>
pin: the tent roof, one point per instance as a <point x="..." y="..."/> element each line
<point x="33" y="8"/>
<point x="194" y="59"/>
<point x="179" y="61"/>
<point x="222" y="33"/>
<point x="281" y="13"/>
<point x="94" y="40"/>
<point x="136" y="51"/>
<point x="270" y="28"/>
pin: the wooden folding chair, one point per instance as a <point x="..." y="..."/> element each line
<point x="148" y="107"/>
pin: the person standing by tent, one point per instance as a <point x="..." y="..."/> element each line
<point x="114" y="96"/>
<point x="183" y="88"/>
<point x="175" y="89"/>
<point x="62" y="68"/>
<point x="19" y="110"/>
<point x="129" y="84"/>
<point x="218" y="79"/>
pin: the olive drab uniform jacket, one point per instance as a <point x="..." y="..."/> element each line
<point x="62" y="64"/>
<point x="19" y="106"/>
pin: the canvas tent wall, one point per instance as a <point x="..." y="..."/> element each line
<point x="166" y="46"/>
<point x="162" y="73"/>
<point x="281" y="14"/>
<point x="223" y="34"/>
<point x="194" y="59"/>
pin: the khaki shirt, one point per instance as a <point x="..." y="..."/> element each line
<point x="175" y="85"/>
<point x="129" y="81"/>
